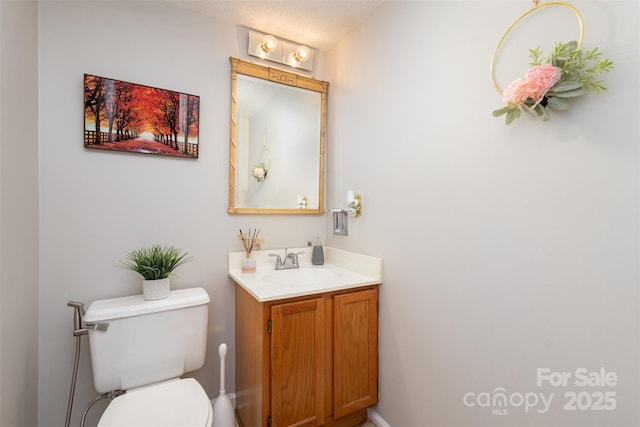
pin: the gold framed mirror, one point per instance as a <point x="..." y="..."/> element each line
<point x="277" y="141"/>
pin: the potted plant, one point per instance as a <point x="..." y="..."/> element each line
<point x="155" y="264"/>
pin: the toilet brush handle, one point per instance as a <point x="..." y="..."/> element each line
<point x="222" y="350"/>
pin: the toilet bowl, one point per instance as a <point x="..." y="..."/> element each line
<point x="144" y="347"/>
<point x="180" y="402"/>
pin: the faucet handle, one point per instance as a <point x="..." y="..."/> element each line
<point x="278" y="261"/>
<point x="294" y="258"/>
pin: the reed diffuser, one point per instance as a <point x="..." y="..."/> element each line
<point x="250" y="240"/>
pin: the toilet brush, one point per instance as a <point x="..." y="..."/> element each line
<point x="223" y="413"/>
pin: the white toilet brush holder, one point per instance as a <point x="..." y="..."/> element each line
<point x="223" y="413"/>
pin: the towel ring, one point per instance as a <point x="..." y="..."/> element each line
<point x="517" y="21"/>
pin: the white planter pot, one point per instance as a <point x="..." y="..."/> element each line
<point x="155" y="289"/>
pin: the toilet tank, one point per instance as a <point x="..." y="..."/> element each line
<point x="146" y="341"/>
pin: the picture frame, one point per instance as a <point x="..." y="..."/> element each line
<point x="140" y="119"/>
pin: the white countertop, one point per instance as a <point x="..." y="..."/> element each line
<point x="341" y="270"/>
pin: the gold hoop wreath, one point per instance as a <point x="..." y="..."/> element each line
<point x="536" y="8"/>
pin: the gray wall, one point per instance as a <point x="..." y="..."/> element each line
<point x="18" y="213"/>
<point x="96" y="206"/>
<point x="506" y="249"/>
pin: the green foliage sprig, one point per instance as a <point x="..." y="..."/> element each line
<point x="155" y="262"/>
<point x="576" y="65"/>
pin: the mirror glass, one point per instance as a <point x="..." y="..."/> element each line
<point x="277" y="141"/>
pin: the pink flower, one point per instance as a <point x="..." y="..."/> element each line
<point x="515" y="92"/>
<point x="258" y="172"/>
<point x="540" y="78"/>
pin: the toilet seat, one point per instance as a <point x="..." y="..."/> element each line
<point x="178" y="402"/>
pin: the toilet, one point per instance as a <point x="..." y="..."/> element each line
<point x="144" y="347"/>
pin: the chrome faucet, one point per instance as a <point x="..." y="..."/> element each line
<point x="290" y="260"/>
<point x="278" y="261"/>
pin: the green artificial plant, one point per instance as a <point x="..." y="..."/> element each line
<point x="156" y="262"/>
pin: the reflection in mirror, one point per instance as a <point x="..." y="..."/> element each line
<point x="277" y="144"/>
<point x="277" y="141"/>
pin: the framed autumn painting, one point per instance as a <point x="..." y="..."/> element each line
<point x="122" y="116"/>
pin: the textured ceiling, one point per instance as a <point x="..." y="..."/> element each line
<point x="318" y="23"/>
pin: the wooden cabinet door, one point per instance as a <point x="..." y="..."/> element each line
<point x="298" y="363"/>
<point x="355" y="363"/>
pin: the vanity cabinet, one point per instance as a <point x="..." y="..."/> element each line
<point x="307" y="361"/>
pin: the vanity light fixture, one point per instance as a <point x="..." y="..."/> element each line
<point x="302" y="201"/>
<point x="267" y="46"/>
<point x="354" y="204"/>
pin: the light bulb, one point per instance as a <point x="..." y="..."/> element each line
<point x="268" y="43"/>
<point x="302" y="53"/>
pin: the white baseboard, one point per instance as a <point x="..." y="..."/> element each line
<point x="376" y="418"/>
<point x="371" y="412"/>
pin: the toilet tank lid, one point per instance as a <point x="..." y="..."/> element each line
<point x="135" y="305"/>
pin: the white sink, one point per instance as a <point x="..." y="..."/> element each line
<point x="303" y="276"/>
<point x="341" y="270"/>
